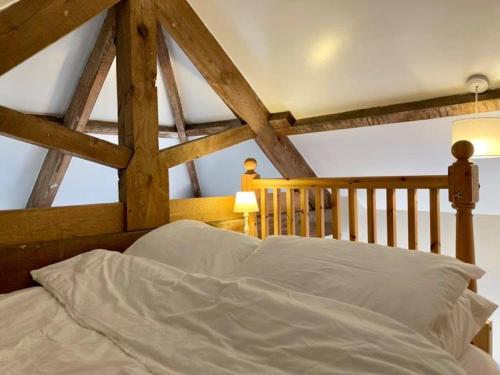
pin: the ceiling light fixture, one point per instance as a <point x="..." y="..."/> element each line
<point x="482" y="132"/>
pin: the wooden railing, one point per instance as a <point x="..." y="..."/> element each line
<point x="461" y="182"/>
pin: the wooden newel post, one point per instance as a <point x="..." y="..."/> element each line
<point x="250" y="166"/>
<point x="463" y="179"/>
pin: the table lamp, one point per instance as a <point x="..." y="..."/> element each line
<point x="246" y="202"/>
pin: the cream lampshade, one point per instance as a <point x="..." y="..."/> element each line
<point x="246" y="202"/>
<point x="483" y="133"/>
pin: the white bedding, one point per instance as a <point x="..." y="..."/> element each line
<point x="39" y="337"/>
<point x="179" y="323"/>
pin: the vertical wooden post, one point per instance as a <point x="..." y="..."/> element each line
<point x="336" y="214"/>
<point x="143" y="185"/>
<point x="352" y="196"/>
<point x="412" y="219"/>
<point x="463" y="181"/>
<point x="319" y="198"/>
<point x="391" y="218"/>
<point x="290" y="212"/>
<point x="250" y="166"/>
<point x="277" y="212"/>
<point x="371" y="205"/>
<point x="435" y="221"/>
<point x="304" y="212"/>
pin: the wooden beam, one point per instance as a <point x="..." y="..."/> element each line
<point x="184" y="25"/>
<point x="191" y="150"/>
<point x="56" y="223"/>
<point x="175" y="104"/>
<point x="51" y="135"/>
<point x="18" y="260"/>
<point x="27" y="26"/>
<point x="454" y="105"/>
<point x="143" y="186"/>
<point x="56" y="163"/>
<point x="277" y="120"/>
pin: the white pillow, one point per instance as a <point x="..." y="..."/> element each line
<point x="467" y="317"/>
<point x="415" y="288"/>
<point x="196" y="247"/>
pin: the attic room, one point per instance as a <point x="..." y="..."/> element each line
<point x="249" y="187"/>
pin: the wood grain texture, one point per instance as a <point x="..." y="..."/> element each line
<point x="264" y="215"/>
<point x="206" y="209"/>
<point x="184" y="152"/>
<point x="391" y="218"/>
<point x="94" y="74"/>
<point x="276" y="212"/>
<point x="371" y="220"/>
<point x="19" y="260"/>
<point x="28" y="26"/>
<point x="382" y="182"/>
<point x="435" y="220"/>
<point x="43" y="133"/>
<point x="319" y="211"/>
<point x="19" y="227"/>
<point x="412" y="219"/>
<point x="143" y="186"/>
<point x="184" y="25"/>
<point x="454" y="105"/>
<point x="304" y="212"/>
<point x="336" y="214"/>
<point x="463" y="195"/>
<point x="290" y="212"/>
<point x="175" y="104"/>
<point x="353" y="214"/>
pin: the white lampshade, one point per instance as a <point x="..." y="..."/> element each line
<point x="483" y="133"/>
<point x="246" y="202"/>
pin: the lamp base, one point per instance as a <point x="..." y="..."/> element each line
<point x="247" y="227"/>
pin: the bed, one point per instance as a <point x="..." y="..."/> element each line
<point x="190" y="298"/>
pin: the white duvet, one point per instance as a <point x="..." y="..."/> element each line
<point x="144" y="316"/>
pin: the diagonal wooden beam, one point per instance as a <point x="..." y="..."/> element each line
<point x="184" y="25"/>
<point x="56" y="163"/>
<point x="175" y="104"/>
<point x="28" y="26"/>
<point x="179" y="154"/>
<point x="51" y="135"/>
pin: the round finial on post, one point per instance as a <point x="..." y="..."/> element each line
<point x="462" y="150"/>
<point x="250" y="165"/>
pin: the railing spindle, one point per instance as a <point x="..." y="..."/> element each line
<point x="434" y="213"/>
<point x="264" y="227"/>
<point x="336" y="214"/>
<point x="353" y="214"/>
<point x="290" y="212"/>
<point x="391" y="218"/>
<point x="371" y="205"/>
<point x="276" y="212"/>
<point x="320" y="212"/>
<point x="412" y="219"/>
<point x="304" y="212"/>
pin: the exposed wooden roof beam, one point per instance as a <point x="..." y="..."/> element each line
<point x="175" y="104"/>
<point x="184" y="25"/>
<point x="28" y="26"/>
<point x="51" y="135"/>
<point x="56" y="163"/>
<point x="191" y="150"/>
<point x="143" y="185"/>
<point x="454" y="105"/>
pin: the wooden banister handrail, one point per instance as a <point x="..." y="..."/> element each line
<point x="384" y="182"/>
